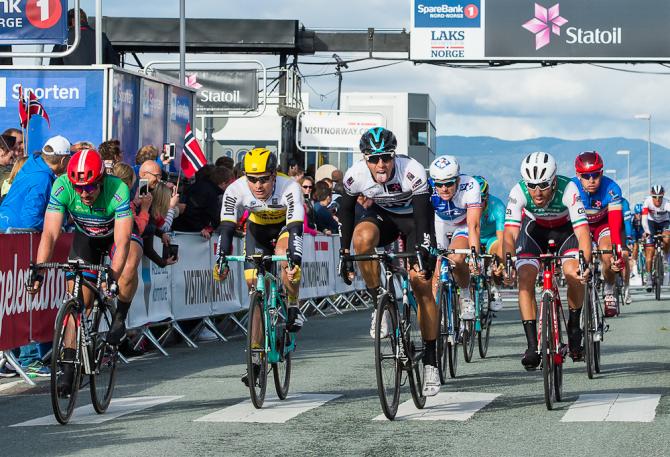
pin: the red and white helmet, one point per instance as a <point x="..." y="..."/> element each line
<point x="589" y="162"/>
<point x="85" y="167"/>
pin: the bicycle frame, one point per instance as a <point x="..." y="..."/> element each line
<point x="550" y="288"/>
<point x="447" y="280"/>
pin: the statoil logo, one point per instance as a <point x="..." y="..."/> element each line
<point x="548" y="22"/>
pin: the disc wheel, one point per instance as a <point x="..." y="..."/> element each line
<point x="63" y="402"/>
<point x="105" y="359"/>
<point x="388" y="368"/>
<point x="257" y="362"/>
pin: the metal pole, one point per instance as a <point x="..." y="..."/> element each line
<point x="628" y="178"/>
<point x="339" y="87"/>
<point x="98" y="32"/>
<point x="182" y="41"/>
<point x="649" y="152"/>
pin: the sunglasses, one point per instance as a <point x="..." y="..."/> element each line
<point x="260" y="179"/>
<point x="594" y="175"/>
<point x="88" y="188"/>
<point x="307" y="187"/>
<point x="445" y="183"/>
<point x="657" y="197"/>
<point x="539" y="185"/>
<point x="374" y="159"/>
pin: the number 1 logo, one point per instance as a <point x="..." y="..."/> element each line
<point x="44" y="14"/>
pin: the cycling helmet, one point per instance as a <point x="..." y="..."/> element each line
<point x="638" y="208"/>
<point x="538" y="167"/>
<point x="483" y="186"/>
<point x="444" y="168"/>
<point x="260" y="160"/>
<point x="589" y="162"/>
<point x="657" y="190"/>
<point x="378" y="140"/>
<point x="85" y="167"/>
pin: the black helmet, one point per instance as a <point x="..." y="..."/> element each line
<point x="378" y="140"/>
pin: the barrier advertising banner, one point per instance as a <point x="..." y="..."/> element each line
<point x="33" y="22"/>
<point x="192" y="285"/>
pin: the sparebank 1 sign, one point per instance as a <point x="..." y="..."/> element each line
<point x="33" y="22"/>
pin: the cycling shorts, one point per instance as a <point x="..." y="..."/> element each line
<point x="656" y="228"/>
<point x="261" y="239"/>
<point x="487" y="243"/>
<point x="93" y="250"/>
<point x="534" y="241"/>
<point x="446" y="232"/>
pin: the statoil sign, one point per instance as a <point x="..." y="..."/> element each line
<point x="541" y="30"/>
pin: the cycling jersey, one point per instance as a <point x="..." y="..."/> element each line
<point x="454" y="211"/>
<point x="409" y="178"/>
<point x="603" y="209"/>
<point x="492" y="221"/>
<point x="652" y="213"/>
<point x="95" y="221"/>
<point x="565" y="206"/>
<point x="627" y="219"/>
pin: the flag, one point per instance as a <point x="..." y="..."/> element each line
<point x="23" y="110"/>
<point x="30" y="108"/>
<point x="192" y="157"/>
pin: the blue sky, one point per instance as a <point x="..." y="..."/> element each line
<point x="567" y="101"/>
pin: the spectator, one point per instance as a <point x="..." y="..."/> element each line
<point x="110" y="151"/>
<point x="19" y="150"/>
<point x="296" y="173"/>
<point x="165" y="208"/>
<point x="325" y="222"/>
<point x="160" y="208"/>
<point x="203" y="207"/>
<point x="7" y="183"/>
<point x="293" y="167"/>
<point x="238" y="171"/>
<point x="85" y="52"/>
<point x="307" y="185"/>
<point x="151" y="171"/>
<point x="81" y="146"/>
<point x="26" y="202"/>
<point x="147" y="152"/>
<point x="225" y="162"/>
<point x="337" y="176"/>
<point x="7" y="143"/>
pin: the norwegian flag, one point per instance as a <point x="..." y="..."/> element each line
<point x="32" y="107"/>
<point x="192" y="157"/>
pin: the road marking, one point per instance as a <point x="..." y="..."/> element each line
<point x="9" y="385"/>
<point x="85" y="415"/>
<point x="613" y="408"/>
<point x="445" y="406"/>
<point x="274" y="411"/>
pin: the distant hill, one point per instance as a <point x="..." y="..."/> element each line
<point x="498" y="160"/>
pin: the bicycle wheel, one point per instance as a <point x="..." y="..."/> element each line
<point x="414" y="352"/>
<point x="658" y="274"/>
<point x="641" y="268"/>
<point x="281" y="370"/>
<point x="104" y="361"/>
<point x="588" y="330"/>
<point x="443" y="339"/>
<point x="598" y="329"/>
<point x="257" y="361"/>
<point x="455" y="337"/>
<point x="387" y="366"/>
<point x="548" y="350"/>
<point x="63" y="403"/>
<point x="559" y="357"/>
<point x="486" y="318"/>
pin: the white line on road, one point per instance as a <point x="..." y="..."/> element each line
<point x="85" y="415"/>
<point x="274" y="411"/>
<point x="613" y="408"/>
<point x="445" y="406"/>
<point x="9" y="385"/>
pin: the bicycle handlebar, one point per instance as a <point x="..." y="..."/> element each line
<point x="72" y="265"/>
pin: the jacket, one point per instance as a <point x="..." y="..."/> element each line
<point x="27" y="199"/>
<point x="85" y="52"/>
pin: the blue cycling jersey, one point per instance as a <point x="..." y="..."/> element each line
<point x="596" y="203"/>
<point x="627" y="219"/>
<point x="493" y="218"/>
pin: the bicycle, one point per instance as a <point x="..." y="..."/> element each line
<point x="551" y="321"/>
<point x="657" y="265"/>
<point x="397" y="336"/>
<point x="593" y="319"/>
<point x="94" y="356"/>
<point x="480" y="291"/>
<point x="267" y="318"/>
<point x="641" y="261"/>
<point x="450" y="322"/>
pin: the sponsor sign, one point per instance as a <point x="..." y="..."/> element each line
<point x="33" y="22"/>
<point x="180" y="108"/>
<point x="72" y="98"/>
<point x="152" y="113"/>
<point x="125" y="113"/>
<point x="330" y="130"/>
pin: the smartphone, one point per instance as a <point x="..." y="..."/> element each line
<point x="144" y="187"/>
<point x="171" y="250"/>
<point x="169" y="151"/>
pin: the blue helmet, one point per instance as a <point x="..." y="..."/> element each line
<point x="378" y="140"/>
<point x="638" y="208"/>
<point x="483" y="186"/>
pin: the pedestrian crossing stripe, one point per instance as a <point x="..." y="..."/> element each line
<point x="613" y="407"/>
<point x="445" y="406"/>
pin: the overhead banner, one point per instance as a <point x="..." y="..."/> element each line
<point x="538" y="30"/>
<point x="33" y="22"/>
<point x="222" y="90"/>
<point x="334" y="130"/>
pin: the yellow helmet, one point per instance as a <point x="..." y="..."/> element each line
<point x="260" y="160"/>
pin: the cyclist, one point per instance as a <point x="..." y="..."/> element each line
<point x="543" y="207"/>
<point x="492" y="226"/>
<point x="458" y="206"/>
<point x="100" y="208"/>
<point x="602" y="200"/>
<point x="630" y="240"/>
<point x="274" y="225"/>
<point x="655" y="220"/>
<point x="397" y="188"/>
<point x="638" y="232"/>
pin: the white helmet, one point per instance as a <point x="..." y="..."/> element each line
<point x="657" y="190"/>
<point x="538" y="167"/>
<point x="444" y="168"/>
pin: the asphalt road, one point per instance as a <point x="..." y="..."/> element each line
<point x="173" y="404"/>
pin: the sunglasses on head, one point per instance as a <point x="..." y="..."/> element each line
<point x="374" y="159"/>
<point x="260" y="179"/>
<point x="449" y="183"/>
<point x="88" y="188"/>
<point x="594" y="175"/>
<point x="540" y="185"/>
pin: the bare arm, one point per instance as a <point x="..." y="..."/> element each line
<point x="122" y="230"/>
<point x="52" y="225"/>
<point x="584" y="239"/>
<point x="473" y="219"/>
<point x="510" y="235"/>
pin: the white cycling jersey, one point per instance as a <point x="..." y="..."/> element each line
<point x="285" y="204"/>
<point x="409" y="178"/>
<point x="651" y="212"/>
